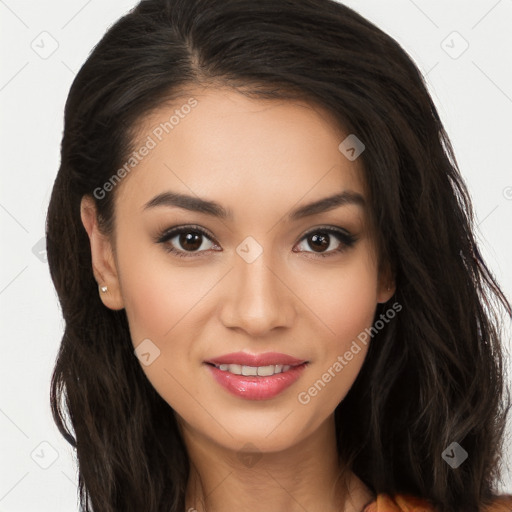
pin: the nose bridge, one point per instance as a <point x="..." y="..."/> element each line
<point x="256" y="300"/>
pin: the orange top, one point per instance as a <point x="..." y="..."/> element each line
<point x="407" y="503"/>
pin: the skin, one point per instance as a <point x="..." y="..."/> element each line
<point x="260" y="159"/>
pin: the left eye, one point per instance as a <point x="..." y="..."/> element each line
<point x="321" y="240"/>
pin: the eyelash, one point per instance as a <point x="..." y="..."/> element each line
<point x="346" y="240"/>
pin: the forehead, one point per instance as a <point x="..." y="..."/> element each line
<point x="219" y="143"/>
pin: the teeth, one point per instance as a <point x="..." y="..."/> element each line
<point x="261" y="371"/>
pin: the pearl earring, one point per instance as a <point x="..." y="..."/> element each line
<point x="103" y="289"/>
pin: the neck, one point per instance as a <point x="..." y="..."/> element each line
<point x="305" y="476"/>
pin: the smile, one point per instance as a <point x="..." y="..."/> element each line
<point x="255" y="382"/>
<point x="261" y="371"/>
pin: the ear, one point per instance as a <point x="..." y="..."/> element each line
<point x="386" y="284"/>
<point x="102" y="256"/>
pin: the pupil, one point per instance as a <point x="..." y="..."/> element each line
<point x="191" y="241"/>
<point x="321" y="240"/>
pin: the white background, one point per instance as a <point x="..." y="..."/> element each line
<point x="473" y="93"/>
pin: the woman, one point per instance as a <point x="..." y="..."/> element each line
<point x="263" y="250"/>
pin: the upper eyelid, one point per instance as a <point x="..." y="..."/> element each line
<point x="178" y="229"/>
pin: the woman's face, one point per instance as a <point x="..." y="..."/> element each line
<point x="256" y="273"/>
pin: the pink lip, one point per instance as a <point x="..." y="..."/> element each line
<point x="253" y="387"/>
<point x="256" y="388"/>
<point x="265" y="359"/>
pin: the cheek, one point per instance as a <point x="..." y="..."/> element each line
<point x="346" y="301"/>
<point x="157" y="294"/>
<point x="159" y="302"/>
<point x="335" y="370"/>
<point x="163" y="301"/>
<point x="355" y="313"/>
<point x="151" y="305"/>
<point x="345" y="305"/>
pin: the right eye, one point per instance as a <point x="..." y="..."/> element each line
<point x="192" y="239"/>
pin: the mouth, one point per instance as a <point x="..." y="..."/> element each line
<point x="255" y="371"/>
<point x="245" y="359"/>
<point x="256" y="381"/>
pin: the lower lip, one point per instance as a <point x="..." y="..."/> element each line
<point x="257" y="388"/>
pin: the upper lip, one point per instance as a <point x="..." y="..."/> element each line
<point x="265" y="359"/>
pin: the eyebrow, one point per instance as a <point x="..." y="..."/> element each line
<point x="196" y="204"/>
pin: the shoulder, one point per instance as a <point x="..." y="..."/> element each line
<point x="399" y="503"/>
<point x="408" y="503"/>
<point x="499" y="504"/>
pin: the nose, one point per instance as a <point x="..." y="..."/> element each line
<point x="256" y="299"/>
